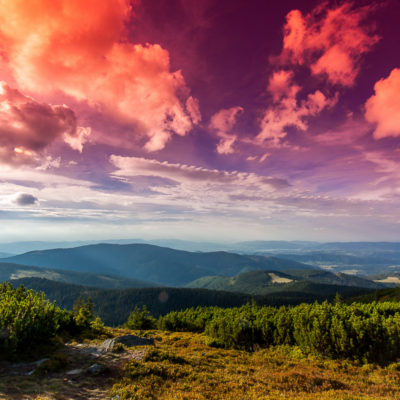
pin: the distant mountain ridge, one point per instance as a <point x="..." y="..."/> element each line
<point x="263" y="282"/>
<point x="10" y="271"/>
<point x="248" y="247"/>
<point x="161" y="265"/>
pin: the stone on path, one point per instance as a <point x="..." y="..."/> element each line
<point x="96" y="369"/>
<point x="75" y="371"/>
<point x="127" y="340"/>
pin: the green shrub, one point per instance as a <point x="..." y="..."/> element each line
<point x="26" y="317"/>
<point x="29" y="323"/>
<point x="362" y="332"/>
<point x="140" y="318"/>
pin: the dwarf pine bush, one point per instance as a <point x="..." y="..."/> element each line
<point x="364" y="332"/>
<point x="27" y="319"/>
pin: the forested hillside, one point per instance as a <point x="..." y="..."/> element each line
<point x="267" y="282"/>
<point x="151" y="263"/>
<point x="10" y="271"/>
<point x="114" y="305"/>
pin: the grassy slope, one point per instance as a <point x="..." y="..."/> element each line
<point x="182" y="366"/>
<point x="192" y="370"/>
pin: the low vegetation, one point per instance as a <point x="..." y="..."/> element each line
<point x="29" y="323"/>
<point x="364" y="332"/>
<point x="310" y="351"/>
<point x="113" y="306"/>
<point x="182" y="366"/>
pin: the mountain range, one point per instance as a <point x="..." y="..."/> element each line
<point x="10" y="271"/>
<point x="161" y="265"/>
<point x="264" y="282"/>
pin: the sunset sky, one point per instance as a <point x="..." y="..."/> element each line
<point x="199" y="119"/>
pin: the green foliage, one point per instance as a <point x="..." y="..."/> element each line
<point x="29" y="322"/>
<point x="363" y="332"/>
<point x="140" y="318"/>
<point x="26" y="317"/>
<point x="97" y="326"/>
<point x="87" y="325"/>
<point x="83" y="312"/>
<point x="189" y="320"/>
<point x="113" y="306"/>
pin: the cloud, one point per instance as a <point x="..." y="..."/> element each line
<point x="79" y="139"/>
<point x="80" y="48"/>
<point x="49" y="162"/>
<point x="383" y="108"/>
<point x="330" y="41"/>
<point x="287" y="109"/>
<point x="192" y="175"/>
<point x="348" y="133"/>
<point x="25" y="199"/>
<point x="27" y="126"/>
<point x="222" y="124"/>
<point x="192" y="107"/>
<point x="281" y="85"/>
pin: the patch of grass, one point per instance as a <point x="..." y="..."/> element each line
<point x="157" y="355"/>
<point x="183" y="366"/>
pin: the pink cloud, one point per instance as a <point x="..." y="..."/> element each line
<point x="330" y="41"/>
<point x="192" y="107"/>
<point x="281" y="85"/>
<point x="222" y="124"/>
<point x="191" y="175"/>
<point x="351" y="131"/>
<point x="383" y="108"/>
<point x="287" y="110"/>
<point x="80" y="48"/>
<point x="27" y="127"/>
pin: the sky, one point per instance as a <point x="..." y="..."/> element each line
<point x="222" y="120"/>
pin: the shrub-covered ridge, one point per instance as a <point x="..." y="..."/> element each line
<point x="364" y="332"/>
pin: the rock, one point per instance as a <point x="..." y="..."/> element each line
<point x="37" y="364"/>
<point x="96" y="369"/>
<point x="40" y="362"/>
<point x="77" y="371"/>
<point x="127" y="340"/>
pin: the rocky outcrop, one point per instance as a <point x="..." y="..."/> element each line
<point x="127" y="340"/>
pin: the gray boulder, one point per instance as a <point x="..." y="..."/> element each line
<point x="96" y="369"/>
<point x="127" y="340"/>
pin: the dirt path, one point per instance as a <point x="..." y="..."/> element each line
<point x="18" y="382"/>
